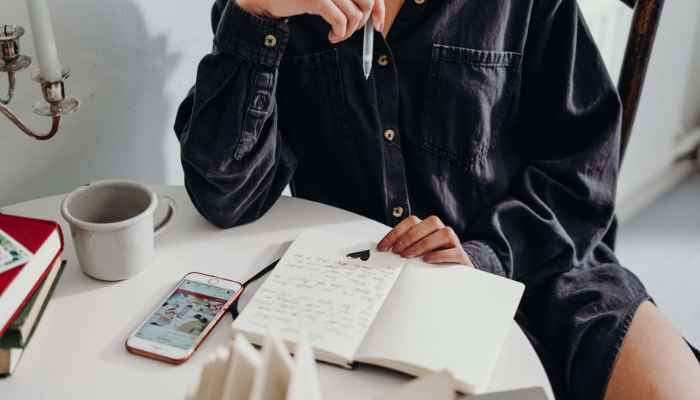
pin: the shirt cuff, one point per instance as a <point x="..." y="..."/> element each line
<point x="257" y="39"/>
<point x="483" y="257"/>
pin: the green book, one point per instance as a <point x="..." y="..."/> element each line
<point x="17" y="336"/>
<point x="21" y="329"/>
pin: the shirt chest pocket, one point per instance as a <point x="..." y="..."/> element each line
<point x="471" y="101"/>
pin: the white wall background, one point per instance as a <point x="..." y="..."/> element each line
<point x="132" y="62"/>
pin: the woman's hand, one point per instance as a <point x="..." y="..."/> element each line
<point x="344" y="16"/>
<point x="429" y="238"/>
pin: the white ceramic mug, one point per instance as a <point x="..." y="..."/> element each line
<point x="112" y="225"/>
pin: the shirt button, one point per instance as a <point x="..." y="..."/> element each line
<point x="383" y="60"/>
<point x="389" y="135"/>
<point x="397" y="212"/>
<point x="270" y="41"/>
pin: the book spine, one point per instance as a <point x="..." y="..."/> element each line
<point x="42" y="277"/>
<point x="11" y="339"/>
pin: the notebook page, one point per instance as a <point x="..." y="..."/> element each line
<point x="438" y="317"/>
<point x="316" y="288"/>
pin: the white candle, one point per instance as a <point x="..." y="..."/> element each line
<point x="44" y="40"/>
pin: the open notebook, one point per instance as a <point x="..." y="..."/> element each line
<point x="384" y="310"/>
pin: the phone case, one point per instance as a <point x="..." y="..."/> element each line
<point x="205" y="333"/>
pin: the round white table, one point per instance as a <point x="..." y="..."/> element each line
<point x="78" y="352"/>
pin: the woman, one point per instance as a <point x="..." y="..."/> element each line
<point x="488" y="135"/>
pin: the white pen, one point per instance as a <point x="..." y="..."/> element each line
<point x="368" y="48"/>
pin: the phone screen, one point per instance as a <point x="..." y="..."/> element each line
<point x="185" y="314"/>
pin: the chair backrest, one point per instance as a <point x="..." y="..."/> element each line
<point x="640" y="42"/>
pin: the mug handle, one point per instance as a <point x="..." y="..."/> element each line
<point x="168" y="219"/>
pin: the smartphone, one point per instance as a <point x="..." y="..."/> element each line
<point x="181" y="322"/>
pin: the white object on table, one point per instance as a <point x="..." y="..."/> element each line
<point x="276" y="377"/>
<point x="244" y="366"/>
<point x="281" y="378"/>
<point x="44" y="40"/>
<point x="304" y="383"/>
<point x="77" y="351"/>
<point x="272" y="380"/>
<point x="212" y="377"/>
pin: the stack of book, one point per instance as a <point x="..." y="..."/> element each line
<point x="30" y="267"/>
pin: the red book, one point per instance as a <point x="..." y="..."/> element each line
<point x="44" y="240"/>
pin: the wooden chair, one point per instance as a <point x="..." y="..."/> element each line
<point x="640" y="42"/>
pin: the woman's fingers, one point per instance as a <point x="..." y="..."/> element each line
<point x="330" y="12"/>
<point x="346" y="16"/>
<point x="366" y="6"/>
<point x="454" y="255"/>
<point x="417" y="233"/>
<point x="408" y="232"/>
<point x="428" y="238"/>
<point x="378" y="15"/>
<point x="444" y="238"/>
<point x="353" y="15"/>
<point x="388" y="241"/>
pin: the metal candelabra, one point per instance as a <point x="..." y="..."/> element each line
<point x="57" y="104"/>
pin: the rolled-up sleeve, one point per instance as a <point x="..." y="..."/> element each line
<point x="235" y="162"/>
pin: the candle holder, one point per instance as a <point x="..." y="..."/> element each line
<point x="57" y="104"/>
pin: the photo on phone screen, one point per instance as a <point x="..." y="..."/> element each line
<point x="180" y="320"/>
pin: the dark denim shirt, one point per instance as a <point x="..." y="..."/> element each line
<point x="497" y="116"/>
